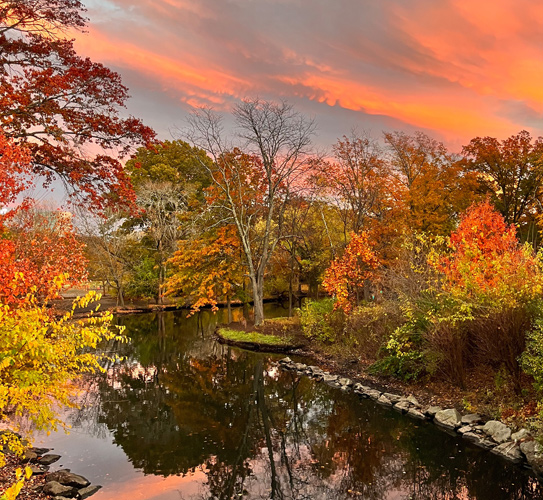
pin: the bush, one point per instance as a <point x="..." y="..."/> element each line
<point x="320" y="321"/>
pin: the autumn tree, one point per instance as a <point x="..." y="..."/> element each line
<point x="426" y="182"/>
<point x="60" y="106"/>
<point x="207" y="269"/>
<point x="272" y="158"/>
<point x="511" y="171"/>
<point x="36" y="248"/>
<point x="348" y="274"/>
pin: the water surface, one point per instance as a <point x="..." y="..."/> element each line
<point x="183" y="417"/>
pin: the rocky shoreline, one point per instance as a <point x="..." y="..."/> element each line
<point x="61" y="484"/>
<point x="519" y="447"/>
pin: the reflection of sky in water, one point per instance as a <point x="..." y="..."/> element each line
<point x="184" y="418"/>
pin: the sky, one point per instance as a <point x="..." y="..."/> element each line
<point x="455" y="69"/>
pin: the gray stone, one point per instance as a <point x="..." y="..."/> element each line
<point x="315" y="369"/>
<point x="30" y="456"/>
<point x="373" y="394"/>
<point x="48" y="459"/>
<point x="329" y="378"/>
<point x="471" y="436"/>
<point x="88" y="491"/>
<point x="498" y="431"/>
<point x="360" y="389"/>
<point x="509" y="451"/>
<point x="470" y="419"/>
<point x="394" y="398"/>
<point x="285" y="361"/>
<point x="403" y="406"/>
<point x="464" y="429"/>
<point x="432" y="410"/>
<point x="40" y="451"/>
<point x="413" y="400"/>
<point x="299" y="366"/>
<point x="521" y="435"/>
<point x="448" y="418"/>
<point x="414" y="413"/>
<point x="68" y="479"/>
<point x="38" y="471"/>
<point x="383" y="400"/>
<point x="56" y="489"/>
<point x="346" y="381"/>
<point x="534" y="455"/>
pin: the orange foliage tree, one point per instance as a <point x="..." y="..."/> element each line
<point x="348" y="274"/>
<point x="207" y="269"/>
<point x="487" y="264"/>
<point x="35" y="249"/>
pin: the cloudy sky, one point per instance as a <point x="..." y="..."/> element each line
<point x="453" y="68"/>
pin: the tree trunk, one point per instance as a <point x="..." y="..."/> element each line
<point x="120" y="296"/>
<point x="290" y="296"/>
<point x="258" y="299"/>
<point x="229" y="308"/>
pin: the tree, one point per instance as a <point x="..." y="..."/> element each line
<point x="207" y="268"/>
<point x="35" y="248"/>
<point x="511" y="171"/>
<point x="169" y="180"/>
<point x="270" y="165"/>
<point x="348" y="274"/>
<point x="61" y="106"/>
<point x="430" y="188"/>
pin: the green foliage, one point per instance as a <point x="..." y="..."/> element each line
<point x="532" y="358"/>
<point x="320" y="320"/>
<point x="255" y="337"/>
<point x="144" y="280"/>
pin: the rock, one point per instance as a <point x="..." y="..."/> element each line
<point x="315" y="369"/>
<point x="88" y="491"/>
<point x="432" y="410"/>
<point x="299" y="366"/>
<point x="68" y="479"/>
<point x="534" y="455"/>
<point x="464" y="429"/>
<point x="285" y="361"/>
<point x="403" y="406"/>
<point x="346" y="381"/>
<point x="521" y="435"/>
<point x="37" y="470"/>
<point x="40" y="451"/>
<point x="329" y="378"/>
<point x="470" y="419"/>
<point x="414" y="413"/>
<point x="30" y="456"/>
<point x="448" y="418"/>
<point x="471" y="436"/>
<point x="383" y="400"/>
<point x="394" y="398"/>
<point x="56" y="489"/>
<point x="498" y="431"/>
<point x="509" y="451"/>
<point x="413" y="400"/>
<point x="48" y="459"/>
<point x="373" y="394"/>
<point x="360" y="389"/>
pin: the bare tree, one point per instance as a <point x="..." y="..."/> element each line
<point x="254" y="182"/>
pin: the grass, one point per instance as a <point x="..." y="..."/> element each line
<point x="255" y="337"/>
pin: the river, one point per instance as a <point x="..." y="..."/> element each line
<point x="183" y="417"/>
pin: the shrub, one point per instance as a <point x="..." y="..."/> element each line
<point x="320" y="320"/>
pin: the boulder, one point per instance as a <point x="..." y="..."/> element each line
<point x="413" y="400"/>
<point x="48" y="459"/>
<point x="346" y="382"/>
<point x="414" y="413"/>
<point x="508" y="450"/>
<point x="329" y="378"/>
<point x="403" y="406"/>
<point x="471" y="419"/>
<point x="497" y="430"/>
<point x="360" y="389"/>
<point x="285" y="361"/>
<point x="373" y="394"/>
<point x="432" y="410"/>
<point x="383" y="400"/>
<point x="56" y="489"/>
<point x="465" y="429"/>
<point x="88" y="491"/>
<point x="521" y="435"/>
<point x="394" y="398"/>
<point x="448" y="418"/>
<point x="534" y="455"/>
<point x="68" y="479"/>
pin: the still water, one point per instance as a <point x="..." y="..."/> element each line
<point x="183" y="417"/>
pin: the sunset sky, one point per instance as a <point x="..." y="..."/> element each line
<point x="453" y="68"/>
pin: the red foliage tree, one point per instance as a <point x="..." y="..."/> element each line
<point x="61" y="106"/>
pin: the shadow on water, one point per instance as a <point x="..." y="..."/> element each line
<point x="181" y="403"/>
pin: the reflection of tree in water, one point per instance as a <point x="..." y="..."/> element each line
<point x="180" y="402"/>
